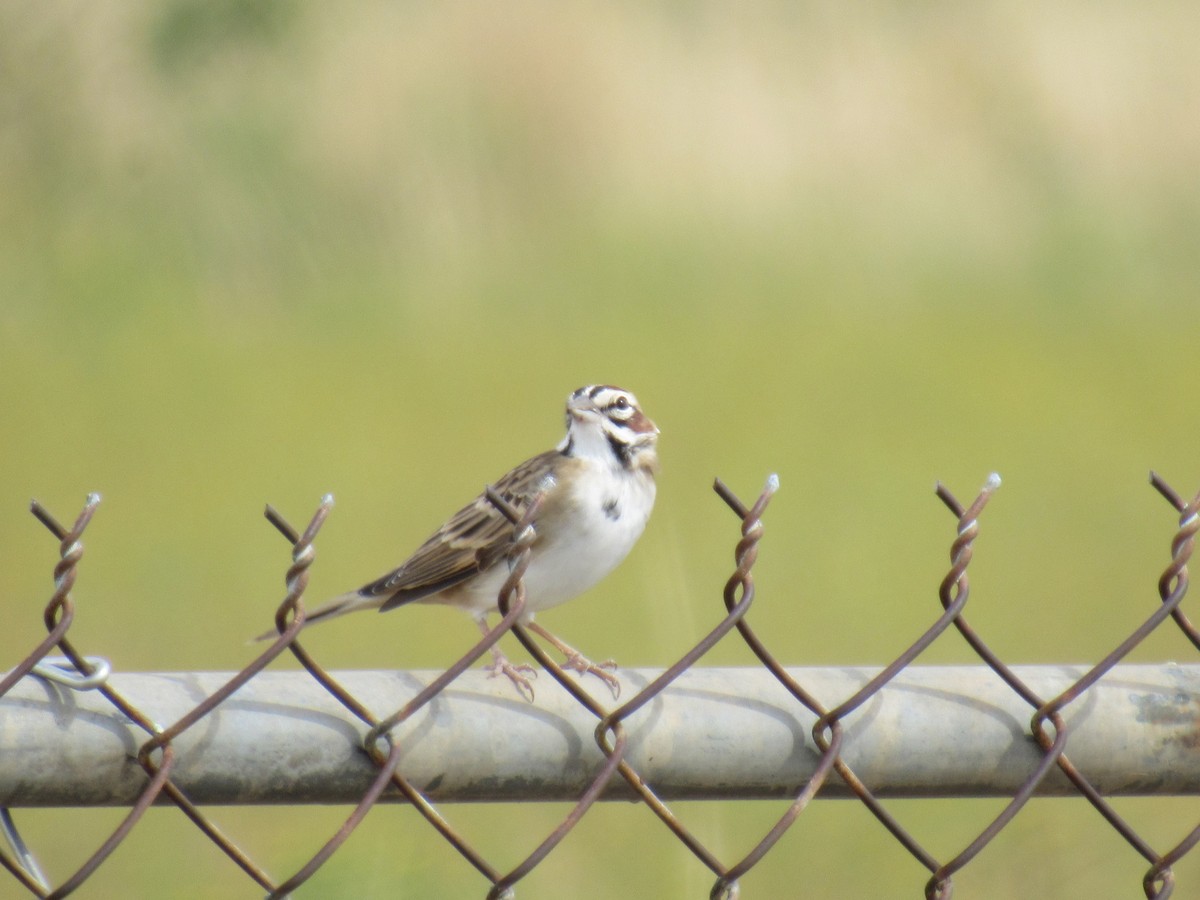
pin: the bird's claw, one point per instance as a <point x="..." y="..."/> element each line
<point x="514" y="672"/>
<point x="577" y="662"/>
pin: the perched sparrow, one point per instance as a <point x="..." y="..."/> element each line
<point x="598" y="487"/>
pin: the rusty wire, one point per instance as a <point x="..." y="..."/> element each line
<point x="156" y="755"/>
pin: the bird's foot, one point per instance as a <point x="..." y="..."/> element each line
<point x="577" y="662"/>
<point x="514" y="672"/>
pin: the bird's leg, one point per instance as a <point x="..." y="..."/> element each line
<point x="513" y="672"/>
<point x="577" y="662"/>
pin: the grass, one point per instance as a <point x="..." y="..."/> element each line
<point x="257" y="256"/>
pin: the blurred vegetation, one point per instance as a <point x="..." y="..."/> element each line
<point x="258" y="251"/>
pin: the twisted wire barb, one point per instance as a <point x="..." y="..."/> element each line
<point x="955" y="583"/>
<point x="513" y="591"/>
<point x="379" y="731"/>
<point x="954" y="592"/>
<point x="60" y="610"/>
<point x="289" y="619"/>
<point x="1175" y="576"/>
<point x="828" y="757"/>
<point x="611" y="722"/>
<point x="745" y="554"/>
<point x="1159" y="880"/>
<point x="59" y="613"/>
<point x="58" y="616"/>
<point x="296" y="580"/>
<point x="1158" y="883"/>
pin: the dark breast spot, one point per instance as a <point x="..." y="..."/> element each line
<point x="612" y="509"/>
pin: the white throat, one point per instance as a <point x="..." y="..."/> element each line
<point x="595" y="440"/>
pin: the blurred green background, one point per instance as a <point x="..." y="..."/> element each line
<point x="255" y="252"/>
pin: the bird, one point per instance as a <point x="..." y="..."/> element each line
<point x="597" y="490"/>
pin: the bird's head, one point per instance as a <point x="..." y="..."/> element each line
<point x="607" y="422"/>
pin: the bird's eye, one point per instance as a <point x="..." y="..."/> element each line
<point x="620" y="403"/>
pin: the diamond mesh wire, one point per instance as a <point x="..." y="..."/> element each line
<point x="615" y="722"/>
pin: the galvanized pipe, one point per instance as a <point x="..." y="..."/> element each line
<point x="715" y="734"/>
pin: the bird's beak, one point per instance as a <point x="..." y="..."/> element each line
<point x="642" y="425"/>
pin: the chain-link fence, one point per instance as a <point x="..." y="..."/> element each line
<point x="681" y="733"/>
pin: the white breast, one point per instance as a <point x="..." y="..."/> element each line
<point x="602" y="518"/>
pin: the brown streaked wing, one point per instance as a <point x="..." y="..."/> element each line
<point x="475" y="537"/>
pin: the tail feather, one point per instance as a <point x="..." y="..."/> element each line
<point x="338" y="606"/>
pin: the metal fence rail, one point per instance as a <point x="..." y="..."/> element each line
<point x="729" y="733"/>
<point x="74" y="733"/>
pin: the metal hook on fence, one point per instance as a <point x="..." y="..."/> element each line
<point x="61" y="670"/>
